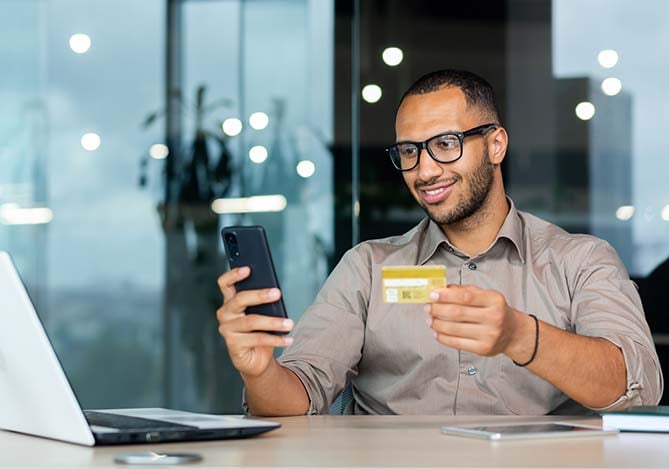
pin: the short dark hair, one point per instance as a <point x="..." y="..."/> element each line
<point x="478" y="92"/>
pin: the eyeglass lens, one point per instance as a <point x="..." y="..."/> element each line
<point x="444" y="148"/>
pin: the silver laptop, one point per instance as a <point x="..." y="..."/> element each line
<point x="36" y="397"/>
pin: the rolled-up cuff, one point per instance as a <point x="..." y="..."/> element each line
<point x="311" y="411"/>
<point x="630" y="398"/>
<point x="644" y="378"/>
<point x="317" y="400"/>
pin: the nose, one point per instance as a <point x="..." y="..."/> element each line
<point x="428" y="168"/>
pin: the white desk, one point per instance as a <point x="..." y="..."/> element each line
<point x="365" y="441"/>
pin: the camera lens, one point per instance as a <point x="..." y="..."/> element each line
<point x="232" y="247"/>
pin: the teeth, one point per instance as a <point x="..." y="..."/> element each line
<point x="435" y="192"/>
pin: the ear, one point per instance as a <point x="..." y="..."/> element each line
<point x="497" y="146"/>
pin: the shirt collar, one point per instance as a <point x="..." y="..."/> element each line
<point x="512" y="229"/>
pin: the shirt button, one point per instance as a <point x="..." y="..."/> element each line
<point x="471" y="371"/>
<point x="472" y="266"/>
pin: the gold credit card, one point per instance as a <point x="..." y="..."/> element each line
<point x="411" y="283"/>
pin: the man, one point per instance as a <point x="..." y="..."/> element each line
<point x="534" y="320"/>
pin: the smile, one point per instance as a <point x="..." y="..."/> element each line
<point x="436" y="193"/>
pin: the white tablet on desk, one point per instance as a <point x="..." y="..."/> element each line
<point x="515" y="431"/>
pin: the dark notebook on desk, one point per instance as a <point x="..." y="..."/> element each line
<point x="36" y="397"/>
<point x="638" y="419"/>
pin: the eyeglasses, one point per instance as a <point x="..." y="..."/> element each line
<point x="443" y="148"/>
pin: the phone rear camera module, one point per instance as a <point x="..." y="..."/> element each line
<point x="232" y="245"/>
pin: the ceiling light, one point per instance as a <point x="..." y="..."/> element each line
<point x="80" y="43"/>
<point x="159" y="151"/>
<point x="611" y="86"/>
<point x="258" y="203"/>
<point x="625" y="212"/>
<point x="258" y="154"/>
<point x="585" y="110"/>
<point x="259" y="120"/>
<point x="306" y="168"/>
<point x="90" y="141"/>
<point x="232" y="126"/>
<point x="607" y="58"/>
<point x="371" y="93"/>
<point x="392" y="56"/>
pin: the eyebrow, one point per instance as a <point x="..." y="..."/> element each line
<point x="435" y="135"/>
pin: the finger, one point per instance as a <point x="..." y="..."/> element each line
<point x="456" y="312"/>
<point x="237" y="306"/>
<point x="463" y="295"/>
<point x="242" y="300"/>
<point x="223" y="314"/>
<point x="226" y="282"/>
<point x="258" y="322"/>
<point x="253" y="323"/>
<point x="459" y="343"/>
<point x="458" y="329"/>
<point x="258" y="339"/>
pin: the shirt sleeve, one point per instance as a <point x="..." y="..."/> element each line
<point x="329" y="337"/>
<point x="606" y="304"/>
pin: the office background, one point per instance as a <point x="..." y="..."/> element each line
<point x="132" y="131"/>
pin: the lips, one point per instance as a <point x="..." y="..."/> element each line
<point x="436" y="193"/>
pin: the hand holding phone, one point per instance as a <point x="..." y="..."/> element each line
<point x="252" y="319"/>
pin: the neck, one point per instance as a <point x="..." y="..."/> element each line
<point x="475" y="234"/>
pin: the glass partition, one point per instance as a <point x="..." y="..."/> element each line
<point x="255" y="109"/>
<point x="125" y="149"/>
<point x="84" y="235"/>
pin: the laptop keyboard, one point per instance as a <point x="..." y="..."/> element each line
<point x="125" y="422"/>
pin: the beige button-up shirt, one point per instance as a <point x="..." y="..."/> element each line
<point x="395" y="366"/>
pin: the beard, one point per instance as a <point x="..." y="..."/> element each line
<point x="480" y="183"/>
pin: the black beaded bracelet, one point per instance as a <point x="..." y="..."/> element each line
<point x="536" y="343"/>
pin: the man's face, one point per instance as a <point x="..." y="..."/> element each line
<point x="449" y="192"/>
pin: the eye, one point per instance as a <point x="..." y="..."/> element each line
<point x="446" y="142"/>
<point x="407" y="150"/>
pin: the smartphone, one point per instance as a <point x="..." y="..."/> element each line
<point x="248" y="246"/>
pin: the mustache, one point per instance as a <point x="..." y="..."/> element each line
<point x="418" y="184"/>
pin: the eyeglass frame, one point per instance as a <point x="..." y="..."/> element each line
<point x="478" y="130"/>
